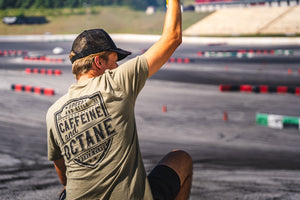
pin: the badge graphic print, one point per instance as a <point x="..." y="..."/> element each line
<point x="85" y="130"/>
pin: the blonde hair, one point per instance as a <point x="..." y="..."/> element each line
<point x="83" y="65"/>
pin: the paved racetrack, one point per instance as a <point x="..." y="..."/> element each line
<point x="181" y="107"/>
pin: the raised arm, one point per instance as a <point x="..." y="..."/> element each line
<point x="158" y="54"/>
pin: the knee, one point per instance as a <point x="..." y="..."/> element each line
<point x="183" y="155"/>
<point x="181" y="162"/>
<point x="183" y="166"/>
<point x="185" y="158"/>
<point x="178" y="160"/>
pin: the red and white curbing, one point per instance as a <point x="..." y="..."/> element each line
<point x="179" y="60"/>
<point x="12" y="53"/>
<point x="56" y="72"/>
<point x="260" y="89"/>
<point x="43" y="59"/>
<point x="32" y="89"/>
<point x="257" y="51"/>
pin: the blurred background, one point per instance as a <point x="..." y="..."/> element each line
<point x="216" y="17"/>
<point x="229" y="94"/>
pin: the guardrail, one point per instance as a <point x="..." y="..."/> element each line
<point x="212" y="5"/>
<point x="244" y="2"/>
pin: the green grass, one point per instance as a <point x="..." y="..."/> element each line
<point x="114" y="19"/>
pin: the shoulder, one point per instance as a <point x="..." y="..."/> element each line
<point x="135" y="65"/>
<point x="55" y="106"/>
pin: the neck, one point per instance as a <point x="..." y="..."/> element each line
<point x="90" y="74"/>
<point x="83" y="78"/>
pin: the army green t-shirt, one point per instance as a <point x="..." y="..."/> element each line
<point x="93" y="128"/>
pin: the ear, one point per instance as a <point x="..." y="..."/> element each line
<point x="98" y="62"/>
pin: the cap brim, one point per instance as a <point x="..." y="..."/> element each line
<point x="121" y="53"/>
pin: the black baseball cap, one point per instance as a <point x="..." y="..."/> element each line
<point x="95" y="41"/>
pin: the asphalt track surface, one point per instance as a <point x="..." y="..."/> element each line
<point x="180" y="107"/>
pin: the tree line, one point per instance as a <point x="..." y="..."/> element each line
<point x="26" y="4"/>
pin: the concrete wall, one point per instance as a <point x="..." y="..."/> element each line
<point x="248" y="21"/>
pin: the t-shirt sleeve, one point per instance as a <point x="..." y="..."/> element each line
<point x="132" y="75"/>
<point x="54" y="152"/>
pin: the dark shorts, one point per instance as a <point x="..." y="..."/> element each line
<point x="164" y="183"/>
<point x="62" y="195"/>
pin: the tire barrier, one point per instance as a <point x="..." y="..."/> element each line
<point x="43" y="58"/>
<point x="244" y="53"/>
<point x="179" y="60"/>
<point x="32" y="89"/>
<point x="277" y="121"/>
<point x="12" y="53"/>
<point x="56" y="72"/>
<point x="260" y="89"/>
